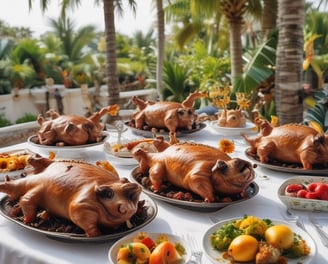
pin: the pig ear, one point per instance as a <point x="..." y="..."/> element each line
<point x="70" y="129"/>
<point x="181" y="111"/>
<point x="86" y="127"/>
<point x="40" y="119"/>
<point x="124" y="180"/>
<point x="220" y="165"/>
<point x="104" y="191"/>
<point x="318" y="139"/>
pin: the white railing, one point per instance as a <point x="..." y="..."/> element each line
<point x="33" y="101"/>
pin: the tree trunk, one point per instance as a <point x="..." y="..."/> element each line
<point x="269" y="17"/>
<point x="111" y="65"/>
<point x="160" y="48"/>
<point x="288" y="78"/>
<point x="236" y="49"/>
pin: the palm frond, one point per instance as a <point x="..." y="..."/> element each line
<point x="259" y="67"/>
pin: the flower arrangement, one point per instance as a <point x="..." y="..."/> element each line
<point x="221" y="98"/>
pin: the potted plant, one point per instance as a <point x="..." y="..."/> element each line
<point x="20" y="75"/>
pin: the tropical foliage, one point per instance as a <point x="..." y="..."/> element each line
<point x="211" y="43"/>
<point x="319" y="112"/>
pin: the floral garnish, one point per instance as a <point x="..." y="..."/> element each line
<point x="52" y="155"/>
<point x="113" y="110"/>
<point x="242" y="101"/>
<point x="106" y="166"/>
<point x="226" y="145"/>
<point x="221" y="97"/>
<point x="274" y="120"/>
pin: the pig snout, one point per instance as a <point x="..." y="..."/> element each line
<point x="186" y="117"/>
<point x="121" y="198"/>
<point x="245" y="168"/>
<point x="232" y="176"/>
<point x="130" y="198"/>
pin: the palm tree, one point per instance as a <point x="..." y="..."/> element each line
<point x="234" y="12"/>
<point x="72" y="41"/>
<point x="289" y="61"/>
<point x="160" y="47"/>
<point x="111" y="67"/>
<point x="269" y="17"/>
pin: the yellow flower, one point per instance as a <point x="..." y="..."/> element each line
<point x="113" y="110"/>
<point x="226" y="145"/>
<point x="219" y="96"/>
<point x="242" y="101"/>
<point x="274" y="120"/>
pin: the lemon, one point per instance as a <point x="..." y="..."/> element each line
<point x="243" y="248"/>
<point x="280" y="236"/>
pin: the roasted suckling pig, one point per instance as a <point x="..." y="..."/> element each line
<point x="291" y="143"/>
<point x="165" y="114"/>
<point x="72" y="130"/>
<point x="88" y="195"/>
<point x="202" y="169"/>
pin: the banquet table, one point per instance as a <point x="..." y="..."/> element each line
<point x="21" y="245"/>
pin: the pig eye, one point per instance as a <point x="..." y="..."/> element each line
<point x="222" y="166"/>
<point x="86" y="127"/>
<point x="109" y="194"/>
<point x="133" y="196"/>
<point x="105" y="192"/>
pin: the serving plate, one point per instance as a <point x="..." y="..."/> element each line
<point x="215" y="256"/>
<point x="71" y="152"/>
<point x="198" y="204"/>
<point x="78" y="235"/>
<point x="164" y="133"/>
<point x="249" y="128"/>
<point x="112" y="253"/>
<point x="291" y="168"/>
<point x="303" y="203"/>
<point x="123" y="156"/>
<point x="123" y="159"/>
<point x="14" y="174"/>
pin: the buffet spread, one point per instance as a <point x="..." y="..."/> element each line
<point x="134" y="195"/>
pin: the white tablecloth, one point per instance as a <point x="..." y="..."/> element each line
<point x="20" y="245"/>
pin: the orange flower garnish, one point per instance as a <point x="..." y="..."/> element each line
<point x="274" y="120"/>
<point x="113" y="110"/>
<point x="52" y="155"/>
<point x="106" y="165"/>
<point x="226" y="145"/>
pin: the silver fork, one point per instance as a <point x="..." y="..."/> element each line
<point x="322" y="234"/>
<point x="196" y="253"/>
<point x="292" y="218"/>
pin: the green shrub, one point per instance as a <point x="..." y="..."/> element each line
<point x="4" y="122"/>
<point x="26" y="118"/>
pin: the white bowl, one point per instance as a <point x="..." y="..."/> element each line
<point x="112" y="253"/>
<point x="249" y="128"/>
<point x="303" y="203"/>
<point x="14" y="174"/>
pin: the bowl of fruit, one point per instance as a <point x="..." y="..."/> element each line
<point x="305" y="193"/>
